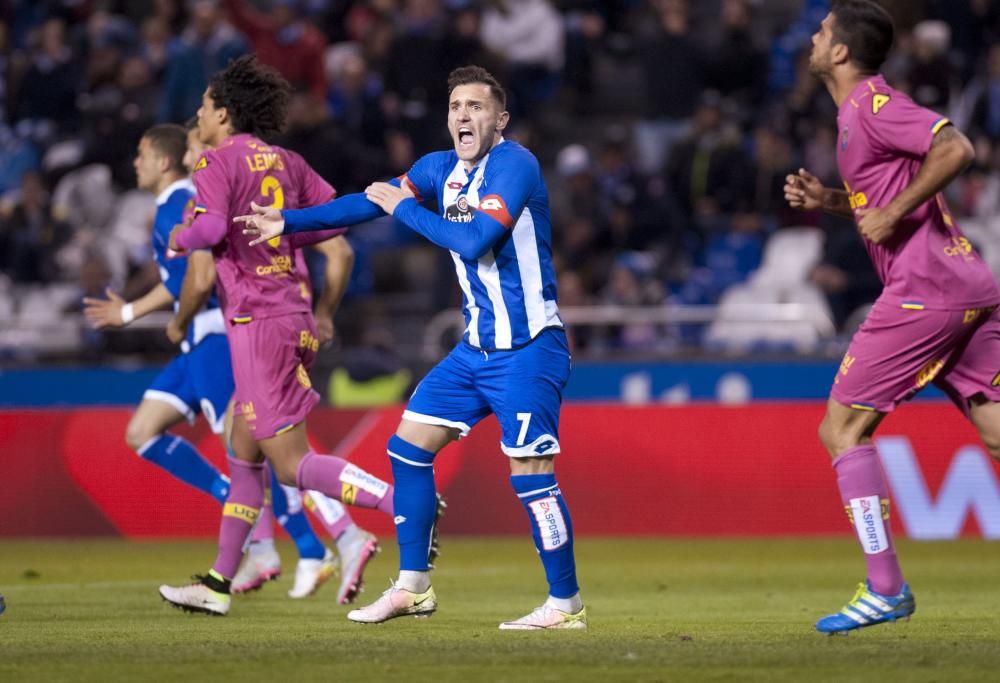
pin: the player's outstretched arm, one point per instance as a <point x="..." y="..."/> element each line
<point x="199" y="279"/>
<point x="339" y="262"/>
<point x="474" y="239"/>
<point x="948" y="156"/>
<point x="116" y="312"/>
<point x="805" y="192"/>
<point x="351" y="209"/>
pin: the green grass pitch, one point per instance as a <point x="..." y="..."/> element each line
<point x="660" y="610"/>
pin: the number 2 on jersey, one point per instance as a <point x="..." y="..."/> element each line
<point x="269" y="187"/>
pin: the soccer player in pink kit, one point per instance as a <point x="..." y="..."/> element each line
<point x="269" y="322"/>
<point x="936" y="320"/>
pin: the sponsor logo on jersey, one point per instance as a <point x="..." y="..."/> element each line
<point x="279" y="264"/>
<point x="202" y="163"/>
<point x="348" y="494"/>
<point x="460" y="211"/>
<point x="454" y="185"/>
<point x="959" y="247"/>
<point x="308" y="341"/>
<point x="545" y="446"/>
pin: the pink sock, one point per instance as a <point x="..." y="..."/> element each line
<point x="246" y="497"/>
<point x="866" y="497"/>
<point x="263" y="530"/>
<point x="347" y="483"/>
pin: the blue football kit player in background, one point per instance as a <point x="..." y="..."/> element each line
<point x="513" y="360"/>
<point x="199" y="380"/>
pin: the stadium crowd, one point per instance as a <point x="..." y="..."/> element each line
<point x="666" y="128"/>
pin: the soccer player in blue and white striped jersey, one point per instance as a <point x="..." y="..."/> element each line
<point x="514" y="358"/>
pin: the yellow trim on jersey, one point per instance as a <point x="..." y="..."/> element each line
<point x="939" y="125"/>
<point x="913" y="307"/>
<point x="243" y="319"/>
<point x="285" y="429"/>
<point x="862" y="406"/>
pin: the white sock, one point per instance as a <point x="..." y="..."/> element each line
<point x="347" y="538"/>
<point x="415" y="582"/>
<point x="570" y="605"/>
<point x="265" y="545"/>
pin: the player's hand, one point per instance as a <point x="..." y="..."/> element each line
<point x="324" y="329"/>
<point x="265" y="223"/>
<point x="804" y="191"/>
<point x="174" y="332"/>
<point x="172" y="242"/>
<point x="103" y="313"/>
<point x="875" y="224"/>
<point x="387" y="197"/>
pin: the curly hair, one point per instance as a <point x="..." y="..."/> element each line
<point x="254" y="95"/>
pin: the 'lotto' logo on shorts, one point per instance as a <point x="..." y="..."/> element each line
<point x="551" y="523"/>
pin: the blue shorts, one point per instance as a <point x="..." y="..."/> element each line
<point x="522" y="387"/>
<point x="198" y="381"/>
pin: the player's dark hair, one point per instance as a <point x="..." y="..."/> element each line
<point x="464" y="75"/>
<point x="255" y="96"/>
<point x="170" y="140"/>
<point x="866" y="29"/>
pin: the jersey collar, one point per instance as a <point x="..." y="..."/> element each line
<point x="183" y="183"/>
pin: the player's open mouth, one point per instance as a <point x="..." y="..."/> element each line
<point x="465" y="138"/>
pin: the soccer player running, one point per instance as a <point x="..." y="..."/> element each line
<point x="936" y="319"/>
<point x="513" y="360"/>
<point x="355" y="547"/>
<point x="267" y="313"/>
<point x="198" y="380"/>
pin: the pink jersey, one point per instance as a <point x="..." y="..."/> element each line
<point x="928" y="263"/>
<point x="262" y="281"/>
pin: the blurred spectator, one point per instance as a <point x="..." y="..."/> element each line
<point x="416" y="73"/>
<point x="284" y="39"/>
<point x="529" y="35"/>
<point x="929" y="76"/>
<point x="206" y="46"/>
<point x="47" y="92"/>
<point x="29" y="234"/>
<point x="708" y="171"/>
<point x="845" y="273"/>
<point x="985" y="98"/>
<point x="671" y="94"/>
<point x="354" y="98"/>
<point x="737" y="63"/>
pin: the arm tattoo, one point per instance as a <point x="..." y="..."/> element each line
<point x="947" y="134"/>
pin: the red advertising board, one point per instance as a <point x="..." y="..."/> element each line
<point x="691" y="470"/>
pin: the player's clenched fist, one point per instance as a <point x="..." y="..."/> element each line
<point x="804" y="191"/>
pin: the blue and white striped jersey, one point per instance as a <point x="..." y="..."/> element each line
<point x="171" y="205"/>
<point x="509" y="292"/>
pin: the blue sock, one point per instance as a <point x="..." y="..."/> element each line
<point x="294" y="521"/>
<point x="551" y="528"/>
<point x="414" y="502"/>
<point x="177" y="456"/>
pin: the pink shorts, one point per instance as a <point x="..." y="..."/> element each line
<point x="271" y="362"/>
<point x="897" y="352"/>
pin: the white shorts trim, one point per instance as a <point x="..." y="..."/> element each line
<point x="528" y="450"/>
<point x="408" y="461"/>
<point x="437" y="421"/>
<point x="174" y="401"/>
<point x="216" y="422"/>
